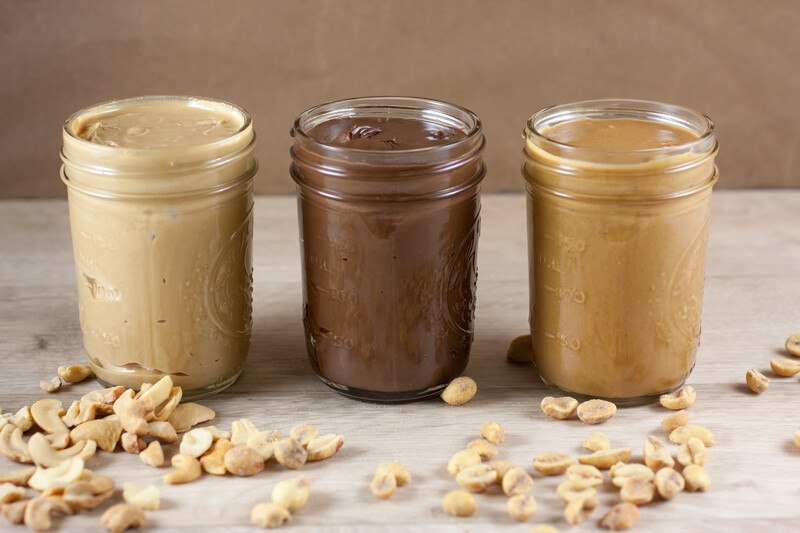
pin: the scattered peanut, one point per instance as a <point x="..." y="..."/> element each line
<point x="74" y="373"/>
<point x="291" y="493"/>
<point x="621" y="516"/>
<point x="213" y="462"/>
<point x="696" y="478"/>
<point x="477" y="478"/>
<point x="460" y="391"/>
<point x="459" y="503"/>
<point x="270" y="515"/>
<point x="196" y="442"/>
<point x="516" y="481"/>
<point x="187" y="469"/>
<point x="324" y="447"/>
<point x="303" y="434"/>
<point x="692" y="452"/>
<point x="520" y="350"/>
<point x="793" y="344"/>
<point x="604" y="459"/>
<point x="243" y="461"/>
<point x="493" y="432"/>
<point x="674" y="421"/>
<point x="521" y="507"/>
<point x="552" y="464"/>
<point x="669" y="483"/>
<point x="543" y="528"/>
<point x="241" y="430"/>
<point x="586" y="473"/>
<point x="637" y="490"/>
<point x="121" y="517"/>
<point x="756" y="381"/>
<point x="50" y="385"/>
<point x="656" y="456"/>
<point x="682" y="434"/>
<point x="597" y="441"/>
<point x="264" y="443"/>
<point x="462" y="459"/>
<point x="153" y="455"/>
<point x="146" y="498"/>
<point x="622" y="473"/>
<point x="596" y="411"/>
<point x="485" y="449"/>
<point x="383" y="484"/>
<point x="559" y="408"/>
<point x="785" y="367"/>
<point x="400" y="472"/>
<point x="576" y="488"/>
<point x="680" y="399"/>
<point x="579" y="510"/>
<point x="502" y="468"/>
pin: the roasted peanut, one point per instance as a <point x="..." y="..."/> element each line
<point x="290" y="453"/>
<point x="793" y="344"/>
<point x="622" y="473"/>
<point x="243" y="461"/>
<point x="680" y="399"/>
<point x="400" y="473"/>
<point x="325" y="446"/>
<point x="575" y="488"/>
<point x="121" y="517"/>
<point x="521" y="507"/>
<point x="669" y="483"/>
<point x="682" y="434"/>
<point x="696" y="478"/>
<point x="656" y="456"/>
<point x="586" y="473"/>
<point x="241" y="430"/>
<point x="543" y="528"/>
<point x="785" y="367"/>
<point x="383" y="484"/>
<point x="264" y="443"/>
<point x="153" y="455"/>
<point x="459" y="503"/>
<point x="637" y="490"/>
<point x="559" y="408"/>
<point x="502" y="468"/>
<point x="50" y="385"/>
<point x="146" y="498"/>
<point x="187" y="469"/>
<point x="477" y="478"/>
<point x="270" y="515"/>
<point x="579" y="510"/>
<point x="196" y="442"/>
<point x="756" y="381"/>
<point x="304" y="434"/>
<point x="621" y="516"/>
<point x="291" y="493"/>
<point x="674" y="421"/>
<point x="493" y="432"/>
<point x="552" y="464"/>
<point x="692" y="452"/>
<point x="485" y="449"/>
<point x="460" y="391"/>
<point x="520" y="350"/>
<point x="604" y="459"/>
<point x="596" y="411"/>
<point x="462" y="459"/>
<point x="597" y="441"/>
<point x="517" y="481"/>
<point x="213" y="462"/>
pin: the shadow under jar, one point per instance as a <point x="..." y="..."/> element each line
<point x="160" y="195"/>
<point x="389" y="209"/>
<point x="619" y="197"/>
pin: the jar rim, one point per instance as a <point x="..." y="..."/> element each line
<point x="676" y="115"/>
<point x="449" y="114"/>
<point x="109" y="105"/>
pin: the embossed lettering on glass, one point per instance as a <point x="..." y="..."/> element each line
<point x="619" y="196"/>
<point x="389" y="209"/>
<point x="160" y="200"/>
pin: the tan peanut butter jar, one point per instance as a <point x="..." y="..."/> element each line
<point x="160" y="200"/>
<point x="618" y="213"/>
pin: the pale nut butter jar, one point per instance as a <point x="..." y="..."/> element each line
<point x="619" y="195"/>
<point x="160" y="195"/>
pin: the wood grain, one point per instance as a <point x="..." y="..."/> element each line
<point x="751" y="305"/>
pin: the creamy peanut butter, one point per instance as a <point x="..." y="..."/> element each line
<point x="160" y="197"/>
<point x="618" y="211"/>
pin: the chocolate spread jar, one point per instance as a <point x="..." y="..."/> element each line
<point x="389" y="209"/>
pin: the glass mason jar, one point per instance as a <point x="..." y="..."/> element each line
<point x="618" y="216"/>
<point x="160" y="201"/>
<point x="389" y="238"/>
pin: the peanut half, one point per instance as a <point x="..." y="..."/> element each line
<point x="477" y="478"/>
<point x="785" y="367"/>
<point x="596" y="411"/>
<point x="579" y="510"/>
<point x="243" y="461"/>
<point x="459" y="503"/>
<point x="756" y="381"/>
<point x="622" y="516"/>
<point x="656" y="456"/>
<point x="682" y="434"/>
<point x="696" y="478"/>
<point x="675" y="420"/>
<point x="692" y="452"/>
<point x="270" y="515"/>
<point x="680" y="399"/>
<point x="637" y="491"/>
<point x="793" y="344"/>
<point x="485" y="449"/>
<point x="552" y="464"/>
<point x="573" y="489"/>
<point x="559" y="408"/>
<point x="462" y="459"/>
<point x="290" y="453"/>
<point x="597" y="441"/>
<point x="517" y="481"/>
<point x="493" y="432"/>
<point x="520" y="507"/>
<point x="520" y="350"/>
<point x="669" y="483"/>
<point x="587" y="473"/>
<point x="291" y="493"/>
<point x="460" y="391"/>
<point x="604" y="459"/>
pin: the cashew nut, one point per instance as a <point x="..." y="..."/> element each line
<point x="162" y="431"/>
<point x="50" y="385"/>
<point x="11" y="493"/>
<point x="12" y="445"/>
<point x="105" y="432"/>
<point x="213" y="462"/>
<point x="158" y="393"/>
<point x="19" y="477"/>
<point x="107" y="396"/>
<point x="14" y="512"/>
<point x="270" y="515"/>
<point x="133" y="415"/>
<point x="163" y="411"/>
<point x="303" y="434"/>
<point x="189" y="414"/>
<point x="187" y="469"/>
<point x="58" y="476"/>
<point x="83" y="411"/>
<point x="58" y="441"/>
<point x="74" y="373"/>
<point x="22" y="419"/>
<point x="132" y="443"/>
<point x="196" y="442"/>
<point x="88" y="493"/>
<point x="37" y="512"/>
<point x="121" y="517"/>
<point x="222" y="434"/>
<point x="241" y="430"/>
<point x="153" y="455"/>
<point x="47" y="415"/>
<point x="44" y="455"/>
<point x="147" y="498"/>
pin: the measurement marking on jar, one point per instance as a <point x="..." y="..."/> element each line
<point x="337" y="340"/>
<point x="567" y="294"/>
<point x="552" y="264"/>
<point x="102" y="242"/>
<point x="571" y="243"/>
<point x="337" y="295"/>
<point x="566" y="341"/>
<point x="100" y="291"/>
<point x="320" y="263"/>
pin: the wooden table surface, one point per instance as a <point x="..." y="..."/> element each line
<point x="752" y="303"/>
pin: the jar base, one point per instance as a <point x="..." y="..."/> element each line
<point x="383" y="397"/>
<point x="619" y="402"/>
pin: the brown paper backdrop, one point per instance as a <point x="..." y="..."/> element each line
<point x="736" y="60"/>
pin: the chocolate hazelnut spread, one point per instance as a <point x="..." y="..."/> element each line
<point x="618" y="211"/>
<point x="160" y="200"/>
<point x="389" y="213"/>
